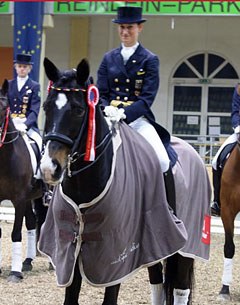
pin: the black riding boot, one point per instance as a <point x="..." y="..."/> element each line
<point x="216" y="206"/>
<point x="170" y="189"/>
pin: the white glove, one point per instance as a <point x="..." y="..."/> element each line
<point x="114" y="114"/>
<point x="237" y="129"/>
<point x="21" y="127"/>
<point x="19" y="124"/>
<point x="18" y="120"/>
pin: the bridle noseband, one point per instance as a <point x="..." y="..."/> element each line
<point x="55" y="136"/>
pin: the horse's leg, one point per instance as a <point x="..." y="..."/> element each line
<point x="155" y="274"/>
<point x="184" y="281"/>
<point x="41" y="212"/>
<point x="16" y="270"/>
<point x="179" y="279"/>
<point x="72" y="291"/>
<point x="30" y="220"/>
<point x="111" y="295"/>
<point x="229" y="251"/>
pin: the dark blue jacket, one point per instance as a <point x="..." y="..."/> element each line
<point x="25" y="103"/>
<point x="137" y="81"/>
<point x="236" y="107"/>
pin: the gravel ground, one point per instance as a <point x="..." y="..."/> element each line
<point x="39" y="286"/>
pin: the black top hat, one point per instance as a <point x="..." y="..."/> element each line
<point x="129" y="14"/>
<point x="24" y="59"/>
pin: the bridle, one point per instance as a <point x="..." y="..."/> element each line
<point x="74" y="144"/>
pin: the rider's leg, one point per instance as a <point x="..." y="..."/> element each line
<point x="47" y="192"/>
<point x="142" y="126"/>
<point x="216" y="205"/>
<point x="170" y="188"/>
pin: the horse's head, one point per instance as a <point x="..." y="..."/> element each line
<point x="66" y="111"/>
<point x="4" y="105"/>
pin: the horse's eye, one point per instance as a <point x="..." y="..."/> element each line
<point x="79" y="111"/>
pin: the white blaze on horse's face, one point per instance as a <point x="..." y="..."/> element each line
<point x="61" y="101"/>
<point x="48" y="168"/>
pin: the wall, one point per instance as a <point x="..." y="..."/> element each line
<point x="190" y="35"/>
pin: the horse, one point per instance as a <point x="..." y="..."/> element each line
<point x="109" y="215"/>
<point x="229" y="198"/>
<point x="17" y="185"/>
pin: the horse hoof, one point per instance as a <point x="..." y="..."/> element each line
<point x="27" y="265"/>
<point x="224" y="297"/>
<point x="15" y="277"/>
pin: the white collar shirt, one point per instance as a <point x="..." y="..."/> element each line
<point x="127" y="52"/>
<point x="21" y="81"/>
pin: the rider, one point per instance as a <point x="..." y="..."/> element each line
<point x="128" y="77"/>
<point x="24" y="97"/>
<point x="225" y="149"/>
<point x="24" y="101"/>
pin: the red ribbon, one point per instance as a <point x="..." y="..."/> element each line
<point x="92" y="100"/>
<point x="50" y="83"/>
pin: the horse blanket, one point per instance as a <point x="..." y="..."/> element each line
<point x="193" y="197"/>
<point x="127" y="227"/>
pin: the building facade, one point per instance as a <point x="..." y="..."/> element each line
<point x="197" y="43"/>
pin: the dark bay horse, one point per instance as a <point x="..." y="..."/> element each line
<point x="16" y="185"/>
<point x="109" y="215"/>
<point x="230" y="207"/>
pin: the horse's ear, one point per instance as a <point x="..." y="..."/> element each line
<point x="83" y="71"/>
<point x="51" y="70"/>
<point x="5" y="87"/>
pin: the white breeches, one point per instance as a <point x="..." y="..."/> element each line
<point x="142" y="126"/>
<point x="231" y="139"/>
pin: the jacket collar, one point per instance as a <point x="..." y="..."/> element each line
<point x="135" y="58"/>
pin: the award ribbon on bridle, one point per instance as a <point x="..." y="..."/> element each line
<point x="92" y="100"/>
<point x="50" y="83"/>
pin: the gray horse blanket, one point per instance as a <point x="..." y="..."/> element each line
<point x="127" y="227"/>
<point x="193" y="197"/>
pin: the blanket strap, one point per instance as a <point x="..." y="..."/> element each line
<point x="85" y="218"/>
<point x="73" y="236"/>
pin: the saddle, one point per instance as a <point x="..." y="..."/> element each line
<point x="224" y="155"/>
<point x="34" y="145"/>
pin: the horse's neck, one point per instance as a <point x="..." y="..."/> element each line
<point x="232" y="165"/>
<point x="236" y="156"/>
<point x="91" y="181"/>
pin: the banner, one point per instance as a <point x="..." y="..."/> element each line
<point x="28" y="20"/>
<point x="5" y="7"/>
<point x="172" y="8"/>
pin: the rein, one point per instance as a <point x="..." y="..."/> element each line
<point x="75" y="156"/>
<point x="3" y="130"/>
